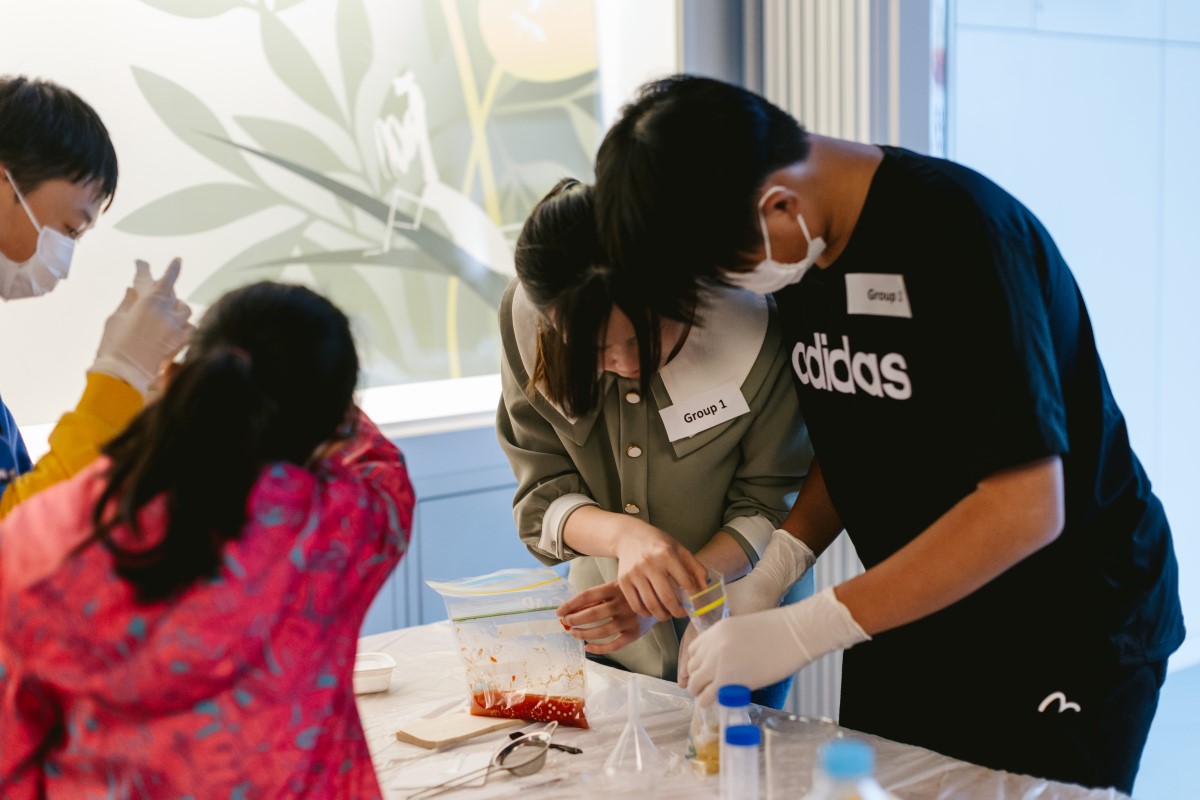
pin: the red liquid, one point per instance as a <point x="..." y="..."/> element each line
<point x="536" y="707"/>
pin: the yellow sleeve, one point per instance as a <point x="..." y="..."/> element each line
<point x="107" y="406"/>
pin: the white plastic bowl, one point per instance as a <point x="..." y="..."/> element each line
<point x="373" y="672"/>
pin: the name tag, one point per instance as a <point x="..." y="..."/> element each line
<point x="877" y="294"/>
<point x="703" y="411"/>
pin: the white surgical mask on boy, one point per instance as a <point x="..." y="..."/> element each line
<point x="49" y="264"/>
<point x="770" y="275"/>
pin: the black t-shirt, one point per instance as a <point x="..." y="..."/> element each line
<point x="950" y="341"/>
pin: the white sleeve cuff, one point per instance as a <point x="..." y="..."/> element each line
<point x="756" y="530"/>
<point x="555" y="519"/>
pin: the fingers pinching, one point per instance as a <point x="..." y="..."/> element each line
<point x="664" y="589"/>
<point x="631" y="596"/>
<point x="651" y="599"/>
<point x="698" y="572"/>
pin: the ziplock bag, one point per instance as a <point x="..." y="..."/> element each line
<point x="521" y="662"/>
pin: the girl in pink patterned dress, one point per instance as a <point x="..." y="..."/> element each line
<point x="180" y="619"/>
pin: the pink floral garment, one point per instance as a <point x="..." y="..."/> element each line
<point x="238" y="689"/>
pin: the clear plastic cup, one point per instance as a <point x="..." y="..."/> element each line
<point x="705" y="608"/>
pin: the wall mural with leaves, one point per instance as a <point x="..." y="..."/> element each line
<point x="444" y="132"/>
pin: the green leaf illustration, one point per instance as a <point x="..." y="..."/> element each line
<point x="539" y="176"/>
<point x="259" y="262"/>
<point x="192" y="121"/>
<point x="195" y="9"/>
<point x="587" y="129"/>
<point x="354" y="46"/>
<point x="296" y="67"/>
<point x="454" y="260"/>
<point x="355" y="295"/>
<point x="196" y="209"/>
<point x="516" y="93"/>
<point x="292" y="142"/>
<point x="409" y="258"/>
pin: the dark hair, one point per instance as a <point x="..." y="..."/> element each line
<point x="676" y="178"/>
<point x="48" y="132"/>
<point x="563" y="270"/>
<point x="268" y="377"/>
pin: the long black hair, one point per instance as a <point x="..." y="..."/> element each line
<point x="48" y="132"/>
<point x="676" y="179"/>
<point x="563" y="270"/>
<point x="268" y="377"/>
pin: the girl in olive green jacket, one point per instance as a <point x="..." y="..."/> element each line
<point x="642" y="485"/>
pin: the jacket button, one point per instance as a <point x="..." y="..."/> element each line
<point x="633" y="398"/>
<point x="633" y="451"/>
<point x="630" y="508"/>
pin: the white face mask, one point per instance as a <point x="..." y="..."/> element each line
<point x="770" y="275"/>
<point x="48" y="265"/>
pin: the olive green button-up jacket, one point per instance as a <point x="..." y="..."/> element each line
<point x="738" y="476"/>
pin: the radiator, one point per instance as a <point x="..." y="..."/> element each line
<point x="833" y="65"/>
<point x="829" y="63"/>
<point x="817" y="689"/>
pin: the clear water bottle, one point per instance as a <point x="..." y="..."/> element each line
<point x="846" y="771"/>
<point x="739" y="764"/>
<point x="733" y="708"/>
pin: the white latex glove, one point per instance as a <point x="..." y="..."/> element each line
<point x="783" y="563"/>
<point x="759" y="649"/>
<point x="682" y="673"/>
<point x="146" y="330"/>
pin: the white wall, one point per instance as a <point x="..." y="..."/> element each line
<point x="1087" y="111"/>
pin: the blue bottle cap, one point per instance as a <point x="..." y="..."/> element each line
<point x="847" y="759"/>
<point x="743" y="735"/>
<point x="734" y="695"/>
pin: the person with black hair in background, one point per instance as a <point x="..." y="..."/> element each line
<point x="1021" y="592"/>
<point x="58" y="172"/>
<point x="641" y="485"/>
<point x="186" y="620"/>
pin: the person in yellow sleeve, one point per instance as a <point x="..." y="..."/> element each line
<point x="59" y="172"/>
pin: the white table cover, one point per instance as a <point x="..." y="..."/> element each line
<point x="430" y="679"/>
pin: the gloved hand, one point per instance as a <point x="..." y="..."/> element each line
<point x="759" y="649"/>
<point x="783" y="563"/>
<point x="682" y="672"/>
<point x="147" y="329"/>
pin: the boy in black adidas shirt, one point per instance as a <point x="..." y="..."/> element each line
<point x="1020" y="598"/>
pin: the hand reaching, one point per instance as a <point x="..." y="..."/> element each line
<point x="783" y="563"/>
<point x="604" y="604"/>
<point x="146" y="330"/>
<point x="650" y="565"/>
<point x="759" y="649"/>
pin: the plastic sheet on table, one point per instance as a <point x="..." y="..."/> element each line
<point x="607" y="695"/>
